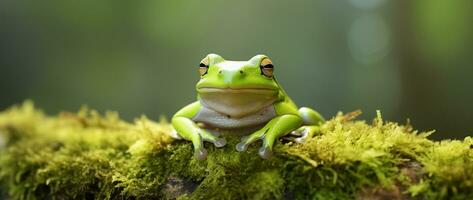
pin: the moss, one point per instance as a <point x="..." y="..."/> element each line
<point x="86" y="155"/>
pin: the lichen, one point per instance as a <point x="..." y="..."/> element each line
<point x="86" y="155"/>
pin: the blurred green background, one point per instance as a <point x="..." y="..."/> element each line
<point x="409" y="59"/>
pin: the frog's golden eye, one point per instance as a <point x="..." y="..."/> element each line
<point x="204" y="66"/>
<point x="267" y="67"/>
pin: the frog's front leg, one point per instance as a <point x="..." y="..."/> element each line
<point x="274" y="129"/>
<point x="189" y="130"/>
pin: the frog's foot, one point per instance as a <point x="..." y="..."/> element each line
<point x="266" y="149"/>
<point x="200" y="153"/>
<point x="247" y="140"/>
<point x="209" y="136"/>
<point x="276" y="128"/>
<point x="302" y="134"/>
<point x="203" y="135"/>
<point x="212" y="136"/>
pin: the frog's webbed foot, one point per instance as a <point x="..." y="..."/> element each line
<point x="200" y="153"/>
<point x="206" y="135"/>
<point x="187" y="130"/>
<point x="247" y="140"/>
<point x="203" y="135"/>
<point x="302" y="134"/>
<point x="276" y="128"/>
<point x="264" y="151"/>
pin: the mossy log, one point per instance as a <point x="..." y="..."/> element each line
<point x="86" y="155"/>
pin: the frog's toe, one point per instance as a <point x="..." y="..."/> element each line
<point x="265" y="152"/>
<point x="175" y="135"/>
<point x="210" y="137"/>
<point x="297" y="136"/>
<point x="295" y="133"/>
<point x="242" y="146"/>
<point x="247" y="140"/>
<point x="200" y="154"/>
<point x="220" y="142"/>
<point x="303" y="136"/>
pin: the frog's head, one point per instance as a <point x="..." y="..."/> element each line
<point x="237" y="88"/>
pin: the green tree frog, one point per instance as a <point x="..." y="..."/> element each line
<point x="241" y="95"/>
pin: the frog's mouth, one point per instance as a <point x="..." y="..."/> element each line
<point x="235" y="90"/>
<point x="237" y="102"/>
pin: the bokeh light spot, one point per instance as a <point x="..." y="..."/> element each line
<point x="368" y="39"/>
<point x="366" y="4"/>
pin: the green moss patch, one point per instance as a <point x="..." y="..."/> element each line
<point x="86" y="155"/>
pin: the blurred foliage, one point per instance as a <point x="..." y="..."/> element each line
<point x="86" y="155"/>
<point x="411" y="59"/>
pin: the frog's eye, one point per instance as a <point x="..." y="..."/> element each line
<point x="267" y="67"/>
<point x="203" y="69"/>
<point x="204" y="66"/>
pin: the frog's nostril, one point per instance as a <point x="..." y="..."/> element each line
<point x="241" y="72"/>
<point x="219" y="71"/>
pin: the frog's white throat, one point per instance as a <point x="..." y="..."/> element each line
<point x="237" y="103"/>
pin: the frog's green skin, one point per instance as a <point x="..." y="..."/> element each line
<point x="238" y="95"/>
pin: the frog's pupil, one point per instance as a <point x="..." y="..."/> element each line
<point x="267" y="70"/>
<point x="268" y="66"/>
